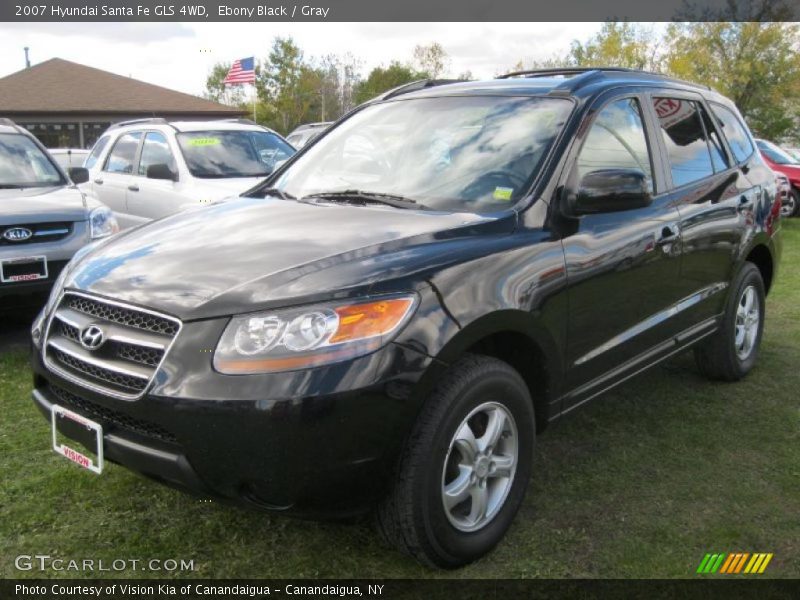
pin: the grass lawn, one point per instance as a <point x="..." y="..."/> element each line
<point x="642" y="482"/>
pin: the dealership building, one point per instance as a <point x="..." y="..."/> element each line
<point x="69" y="105"/>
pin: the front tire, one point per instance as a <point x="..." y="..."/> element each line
<point x="465" y="468"/>
<point x="731" y="352"/>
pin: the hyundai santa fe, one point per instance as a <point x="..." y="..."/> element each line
<point x="390" y="319"/>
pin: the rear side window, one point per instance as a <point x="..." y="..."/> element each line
<point x="685" y="139"/>
<point x="718" y="155"/>
<point x="123" y="154"/>
<point x="97" y="150"/>
<point x="734" y="132"/>
<point x="616" y="141"/>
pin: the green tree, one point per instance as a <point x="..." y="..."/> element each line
<point x="382" y="79"/>
<point x="756" y="65"/>
<point x="278" y="84"/>
<point x="617" y="45"/>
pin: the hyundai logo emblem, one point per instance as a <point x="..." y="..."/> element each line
<point x="92" y="337"/>
<point x="17" y="234"/>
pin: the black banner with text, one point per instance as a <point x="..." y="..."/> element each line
<point x="389" y="11"/>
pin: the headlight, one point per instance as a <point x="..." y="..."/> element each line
<point x="102" y="223"/>
<point x="298" y="338"/>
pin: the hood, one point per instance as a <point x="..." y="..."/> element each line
<point x="249" y="253"/>
<point x="40" y="205"/>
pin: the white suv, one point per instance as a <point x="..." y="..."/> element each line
<point x="150" y="168"/>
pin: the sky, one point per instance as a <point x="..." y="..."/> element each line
<point x="180" y="55"/>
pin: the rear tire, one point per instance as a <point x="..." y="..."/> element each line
<point x="731" y="352"/>
<point x="465" y="467"/>
<point x="796" y="198"/>
<point x="792" y="208"/>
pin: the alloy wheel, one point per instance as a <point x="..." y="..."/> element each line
<point x="480" y="466"/>
<point x="748" y="317"/>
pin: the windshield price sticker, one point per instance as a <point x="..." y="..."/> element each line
<point x="204" y="141"/>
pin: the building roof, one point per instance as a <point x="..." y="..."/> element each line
<point x="60" y="86"/>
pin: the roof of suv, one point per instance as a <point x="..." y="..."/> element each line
<point x="553" y="82"/>
<point x="8" y="126"/>
<point x="186" y="126"/>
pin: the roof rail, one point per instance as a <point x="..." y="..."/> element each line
<point x="160" y="120"/>
<point x="593" y="71"/>
<point x="559" y="71"/>
<point x="241" y="120"/>
<point x="316" y="125"/>
<point x="414" y="86"/>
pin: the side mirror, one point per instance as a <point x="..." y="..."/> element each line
<point x="610" y="190"/>
<point x="78" y="175"/>
<point x="161" y="171"/>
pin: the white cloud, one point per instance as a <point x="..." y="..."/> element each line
<point x="179" y="55"/>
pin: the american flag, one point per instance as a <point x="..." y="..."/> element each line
<point x="242" y="71"/>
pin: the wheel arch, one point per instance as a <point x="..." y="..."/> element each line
<point x="761" y="257"/>
<point x="520" y="340"/>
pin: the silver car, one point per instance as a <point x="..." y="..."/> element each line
<point x="150" y="168"/>
<point x="44" y="218"/>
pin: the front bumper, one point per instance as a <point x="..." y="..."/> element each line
<point x="20" y="294"/>
<point x="316" y="443"/>
<point x="58" y="254"/>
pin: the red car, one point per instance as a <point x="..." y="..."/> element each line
<point x="784" y="163"/>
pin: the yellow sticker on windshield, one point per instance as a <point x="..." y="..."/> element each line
<point x="503" y="193"/>
<point x="204" y="141"/>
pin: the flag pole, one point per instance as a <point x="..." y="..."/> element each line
<point x="255" y="91"/>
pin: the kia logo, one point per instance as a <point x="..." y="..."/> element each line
<point x="17" y="234"/>
<point x="92" y="337"/>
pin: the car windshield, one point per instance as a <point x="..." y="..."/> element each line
<point x="222" y="154"/>
<point x="468" y="154"/>
<point x="775" y="154"/>
<point x="23" y="164"/>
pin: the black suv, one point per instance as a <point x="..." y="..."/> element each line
<point x="391" y="317"/>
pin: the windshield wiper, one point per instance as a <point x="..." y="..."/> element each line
<point x="361" y="196"/>
<point x="11" y="186"/>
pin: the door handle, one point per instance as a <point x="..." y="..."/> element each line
<point x="99" y="181"/>
<point x="133" y="187"/>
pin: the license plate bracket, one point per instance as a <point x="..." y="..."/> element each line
<point x="85" y="430"/>
<point x="25" y="268"/>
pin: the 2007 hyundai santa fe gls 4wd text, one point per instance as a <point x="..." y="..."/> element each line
<point x="388" y="320"/>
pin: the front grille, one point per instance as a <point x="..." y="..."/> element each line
<point x="114" y="378"/>
<point x="123" y="316"/>
<point x="133" y="344"/>
<point x="68" y="331"/>
<point x="109" y="418"/>
<point x="146" y="356"/>
<point x="40" y="232"/>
